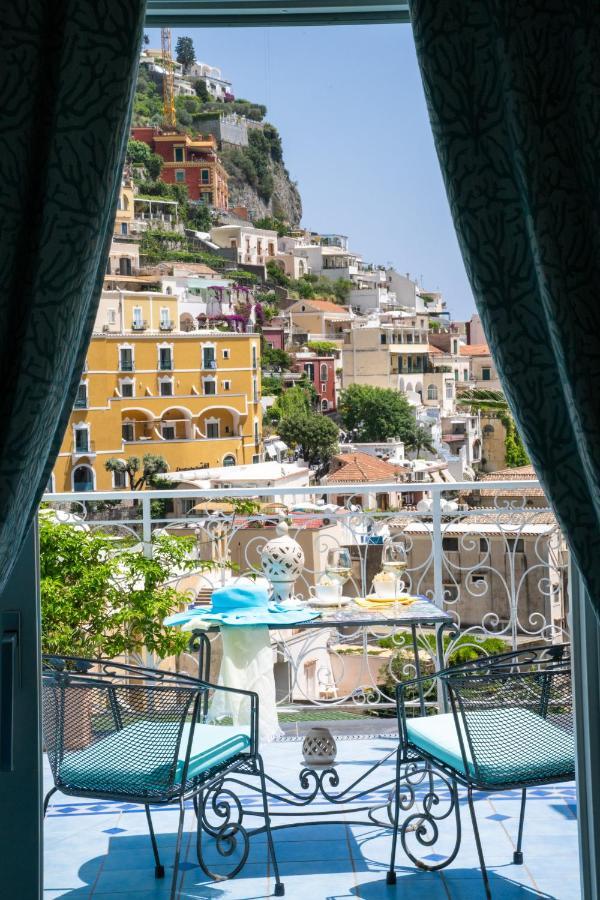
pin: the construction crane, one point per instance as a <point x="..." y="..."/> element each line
<point x="168" y="79"/>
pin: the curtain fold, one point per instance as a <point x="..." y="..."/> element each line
<point x="513" y="91"/>
<point x="68" y="71"/>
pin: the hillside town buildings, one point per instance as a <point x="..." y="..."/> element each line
<point x="191" y="162"/>
<point x="174" y="366"/>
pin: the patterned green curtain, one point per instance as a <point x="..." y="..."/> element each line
<point x="67" y="71"/>
<point x="513" y="90"/>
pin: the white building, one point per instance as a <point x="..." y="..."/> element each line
<point x="200" y="291"/>
<point x="411" y="296"/>
<point x="253" y="246"/>
<point x="462" y="432"/>
<point x="258" y="475"/>
<point x="331" y="262"/>
<point x="375" y="298"/>
<point x="217" y="86"/>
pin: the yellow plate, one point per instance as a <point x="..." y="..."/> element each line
<point x="373" y="603"/>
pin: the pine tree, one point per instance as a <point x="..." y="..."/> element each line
<point x="185" y="53"/>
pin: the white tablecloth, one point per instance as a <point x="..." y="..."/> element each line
<point x="247" y="663"/>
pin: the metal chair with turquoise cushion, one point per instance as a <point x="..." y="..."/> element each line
<point x="135" y="735"/>
<point x="510" y="727"/>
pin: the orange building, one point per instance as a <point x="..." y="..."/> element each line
<point x="194" y="163"/>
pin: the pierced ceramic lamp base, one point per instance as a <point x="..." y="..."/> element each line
<point x="319" y="748"/>
<point x="282" y="560"/>
<point x="283" y="593"/>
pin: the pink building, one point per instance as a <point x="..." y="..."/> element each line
<point x="320" y="369"/>
<point x="274" y="336"/>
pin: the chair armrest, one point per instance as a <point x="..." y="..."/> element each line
<point x="252" y="695"/>
<point x="401" y="689"/>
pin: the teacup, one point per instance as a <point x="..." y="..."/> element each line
<point x="329" y="593"/>
<point x="386" y="589"/>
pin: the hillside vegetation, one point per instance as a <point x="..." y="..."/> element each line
<point x="258" y="178"/>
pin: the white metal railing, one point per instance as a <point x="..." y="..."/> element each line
<point x="499" y="570"/>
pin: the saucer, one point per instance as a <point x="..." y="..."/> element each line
<point x="330" y="604"/>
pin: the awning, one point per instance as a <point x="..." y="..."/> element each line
<point x="210" y="14"/>
<point x="270" y="451"/>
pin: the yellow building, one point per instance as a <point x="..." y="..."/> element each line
<point x="125" y="208"/>
<point x="148" y="388"/>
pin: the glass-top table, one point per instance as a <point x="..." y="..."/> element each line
<point x="348" y="659"/>
<point x="409" y="633"/>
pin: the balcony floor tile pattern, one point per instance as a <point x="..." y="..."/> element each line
<point x="102" y="850"/>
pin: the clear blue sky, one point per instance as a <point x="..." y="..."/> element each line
<point x="349" y="105"/>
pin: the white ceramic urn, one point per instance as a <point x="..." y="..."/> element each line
<point x="282" y="560"/>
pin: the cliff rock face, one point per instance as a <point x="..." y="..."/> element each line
<point x="284" y="202"/>
<point x="258" y="178"/>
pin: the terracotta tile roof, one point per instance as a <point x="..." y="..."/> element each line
<point x="135" y="279"/>
<point x="361" y="468"/>
<point x="496" y="522"/>
<point x="298" y="521"/>
<point x="432" y="349"/>
<point x="474" y="350"/>
<point x="325" y="306"/>
<point x="524" y="472"/>
<point x="197" y="269"/>
<point x="521" y="473"/>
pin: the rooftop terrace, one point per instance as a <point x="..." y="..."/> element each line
<point x="504" y="583"/>
<point x="102" y="849"/>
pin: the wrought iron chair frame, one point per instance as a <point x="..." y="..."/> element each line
<point x="204" y="789"/>
<point x="410" y="756"/>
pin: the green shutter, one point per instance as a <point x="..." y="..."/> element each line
<point x="219" y="13"/>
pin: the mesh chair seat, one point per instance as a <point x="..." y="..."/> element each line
<point x="521" y="747"/>
<point x="121" y="764"/>
<point x="511" y="727"/>
<point x="123" y="732"/>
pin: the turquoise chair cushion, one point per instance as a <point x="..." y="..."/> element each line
<point x="512" y="745"/>
<point x="138" y="759"/>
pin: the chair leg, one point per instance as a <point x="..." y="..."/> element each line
<point x="173" y="894"/>
<point x="391" y="874"/>
<point x="47" y="799"/>
<point x="518" y="854"/>
<point x="279" y="886"/>
<point x="159" y="870"/>
<point x="482" y="866"/>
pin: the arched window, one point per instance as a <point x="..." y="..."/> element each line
<point x="229" y="461"/>
<point x="432" y="392"/>
<point x="323" y="371"/>
<point x="83" y="478"/>
<point x="324" y="405"/>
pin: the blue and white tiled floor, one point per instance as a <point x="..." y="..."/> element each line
<point x="102" y="849"/>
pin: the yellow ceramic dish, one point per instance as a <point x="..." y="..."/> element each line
<point x="373" y="602"/>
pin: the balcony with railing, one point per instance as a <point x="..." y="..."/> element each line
<point x="82" y="446"/>
<point x="491" y="562"/>
<point x="499" y="569"/>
